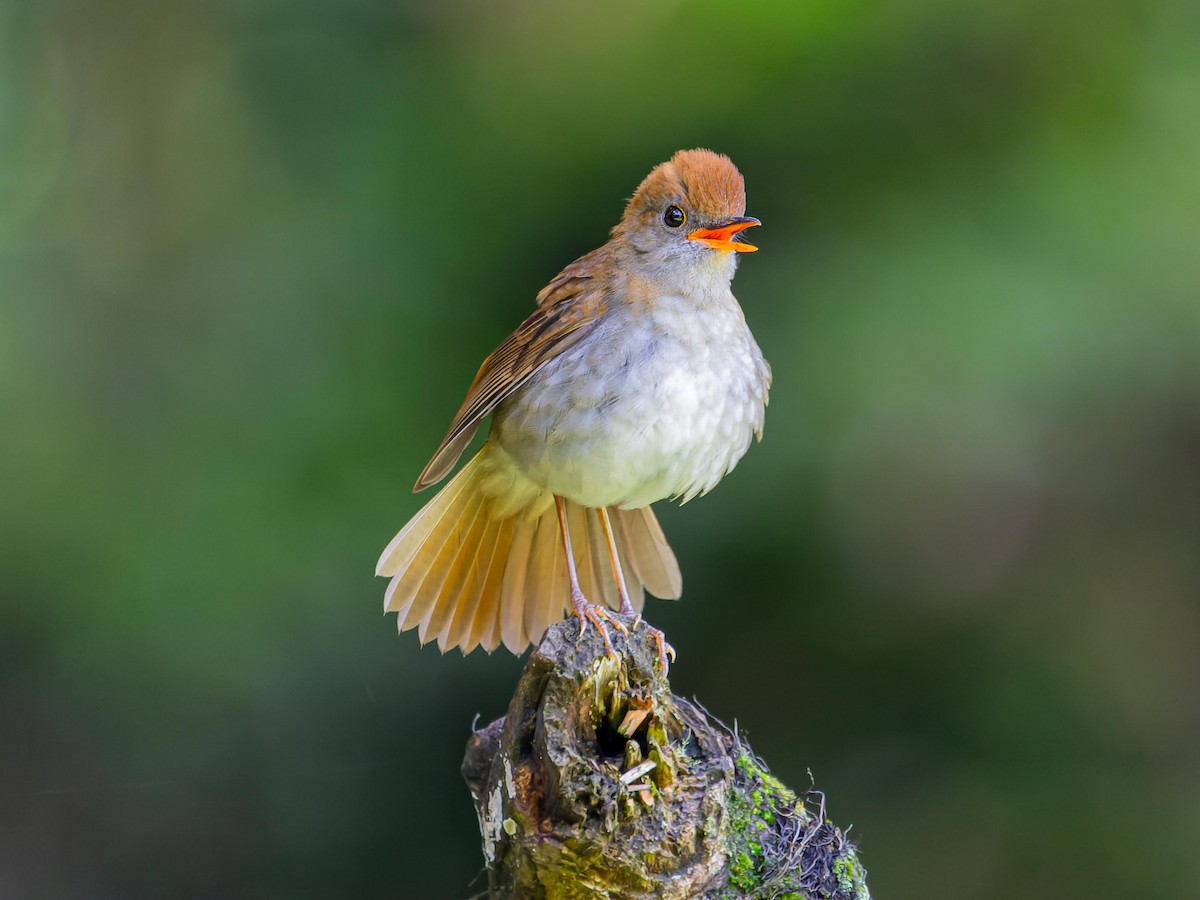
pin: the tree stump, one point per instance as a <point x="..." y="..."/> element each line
<point x="601" y="783"/>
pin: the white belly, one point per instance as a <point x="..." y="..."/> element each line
<point x="647" y="406"/>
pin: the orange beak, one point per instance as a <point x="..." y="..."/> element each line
<point x="722" y="236"/>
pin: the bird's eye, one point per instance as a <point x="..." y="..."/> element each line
<point x="674" y="217"/>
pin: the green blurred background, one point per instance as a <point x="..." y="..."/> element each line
<point x="252" y="253"/>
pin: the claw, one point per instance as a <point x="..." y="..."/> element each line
<point x="664" y="649"/>
<point x="611" y="619"/>
<point x="589" y="612"/>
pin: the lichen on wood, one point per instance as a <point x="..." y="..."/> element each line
<point x="599" y="782"/>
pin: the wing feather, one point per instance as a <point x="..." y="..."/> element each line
<point x="566" y="309"/>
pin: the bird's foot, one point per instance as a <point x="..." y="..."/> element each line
<point x="664" y="649"/>
<point x="586" y="611"/>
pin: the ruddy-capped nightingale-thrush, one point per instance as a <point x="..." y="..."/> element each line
<point x="634" y="380"/>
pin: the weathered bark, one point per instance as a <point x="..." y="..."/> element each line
<point x="568" y="810"/>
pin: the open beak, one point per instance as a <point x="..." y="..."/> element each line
<point x="723" y="236"/>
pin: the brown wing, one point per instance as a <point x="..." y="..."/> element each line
<point x="566" y="309"/>
<point x="577" y="278"/>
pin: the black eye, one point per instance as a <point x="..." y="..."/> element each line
<point x="674" y="217"/>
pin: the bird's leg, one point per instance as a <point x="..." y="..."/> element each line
<point x="618" y="573"/>
<point x="581" y="608"/>
<point x="664" y="649"/>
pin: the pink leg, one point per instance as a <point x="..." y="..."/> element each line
<point x="664" y="649"/>
<point x="581" y="608"/>
<point x="618" y="573"/>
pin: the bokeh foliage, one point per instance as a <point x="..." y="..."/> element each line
<point x="251" y="254"/>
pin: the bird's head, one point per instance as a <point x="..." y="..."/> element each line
<point x="690" y="208"/>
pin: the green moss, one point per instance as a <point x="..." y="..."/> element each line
<point x="741" y="871"/>
<point x="753" y="804"/>
<point x="849" y="874"/>
<point x="779" y="849"/>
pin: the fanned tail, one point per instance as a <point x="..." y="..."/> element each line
<point x="644" y="549"/>
<point x="469" y="573"/>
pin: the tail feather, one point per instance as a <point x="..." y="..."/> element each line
<point x="468" y="591"/>
<point x="410" y="554"/>
<point x="645" y="548"/>
<point x="512" y="601"/>
<point x="436" y="587"/>
<point x="466" y="575"/>
<point x="399" y="553"/>
<point x="546" y="585"/>
<point x="405" y="590"/>
<point x="458" y="628"/>
<point x="450" y="590"/>
<point x="485" y="623"/>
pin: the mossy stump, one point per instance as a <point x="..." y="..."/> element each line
<point x="601" y="783"/>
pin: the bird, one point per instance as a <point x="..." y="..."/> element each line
<point x="635" y="379"/>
